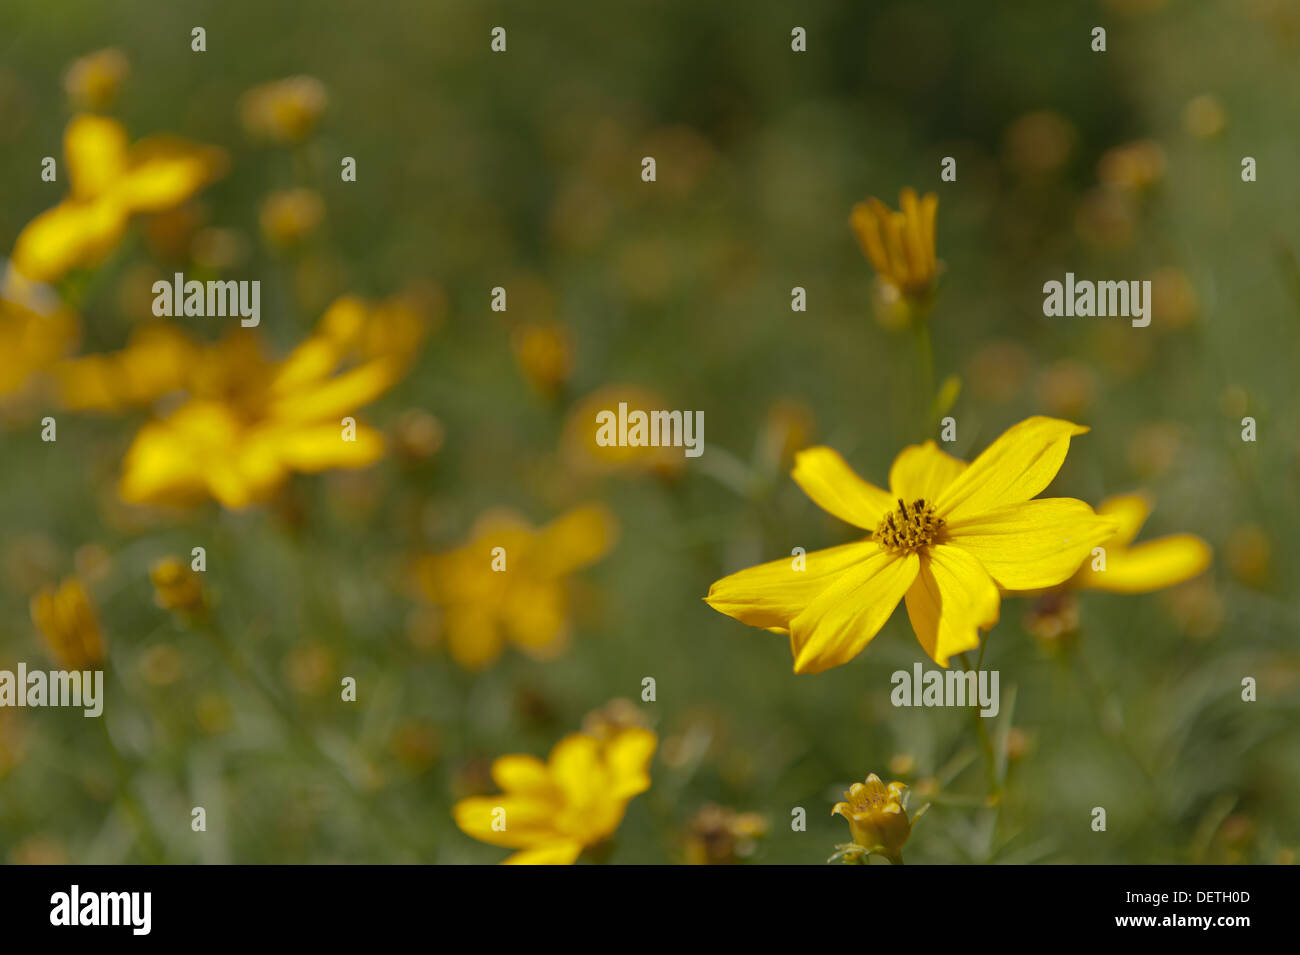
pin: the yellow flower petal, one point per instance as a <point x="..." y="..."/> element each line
<point x="527" y="821"/>
<point x="1015" y="467"/>
<point x="923" y="470"/>
<point x="321" y="447"/>
<point x="553" y="853"/>
<point x="1152" y="565"/>
<point x="520" y="773"/>
<point x="628" y="755"/>
<point x="1034" y="544"/>
<point x="772" y="594"/>
<point x="72" y="234"/>
<point x="94" y="148"/>
<point x="866" y="227"/>
<point x="474" y="639"/>
<point x="164" y="171"/>
<point x="848" y="614"/>
<point x="575" y="767"/>
<point x="338" y="396"/>
<point x="830" y="482"/>
<point x="1129" y="511"/>
<point x="577" y="538"/>
<point x="951" y="600"/>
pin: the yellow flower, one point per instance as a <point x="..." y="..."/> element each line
<point x="552" y="811"/>
<point x="900" y="245"/>
<point x="1140" y="568"/>
<point x="284" y="111"/>
<point x="877" y="816"/>
<point x="585" y="456"/>
<point x="33" y="342"/>
<point x="544" y="354"/>
<point x="250" y="422"/>
<point x="156" y="361"/>
<point x="510" y="583"/>
<point x="176" y="587"/>
<point x="110" y="182"/>
<point x="945" y="538"/>
<point x="66" y="620"/>
<point x="93" y="80"/>
<point x="288" y="217"/>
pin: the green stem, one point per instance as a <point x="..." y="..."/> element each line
<point x="925" y="369"/>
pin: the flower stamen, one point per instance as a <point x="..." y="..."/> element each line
<point x="909" y="528"/>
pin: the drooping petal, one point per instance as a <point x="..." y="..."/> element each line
<point x="628" y="756"/>
<point x="951" y="600"/>
<point x="516" y="822"/>
<point x="772" y="594"/>
<point x="1129" y="511"/>
<point x="866" y="227"/>
<point x="1033" y="544"/>
<point x="94" y="148"/>
<point x="72" y="234"/>
<point x="1149" y="566"/>
<point x="552" y="853"/>
<point x="322" y="448"/>
<point x="1015" y="467"/>
<point x="835" y="488"/>
<point x="923" y="470"/>
<point x="850" y="612"/>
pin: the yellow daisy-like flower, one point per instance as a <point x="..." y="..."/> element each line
<point x="510" y="582"/>
<point x="877" y="816"/>
<point x="551" y="811"/>
<point x="67" y="621"/>
<point x="250" y="422"/>
<point x="900" y="245"/>
<point x="176" y="587"/>
<point x="34" y="342"/>
<point x="285" y="110"/>
<point x="945" y="538"/>
<point x="92" y="82"/>
<point x="1140" y="568"/>
<point x="111" y="181"/>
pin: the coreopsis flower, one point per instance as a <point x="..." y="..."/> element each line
<point x="509" y="583"/>
<point x="284" y="111"/>
<point x="289" y="216"/>
<point x="551" y="811"/>
<point x="944" y="539"/>
<point x="877" y="817"/>
<point x="176" y="587"/>
<point x="33" y="344"/>
<point x="111" y="181"/>
<point x="900" y="245"/>
<point x="250" y="422"/>
<point x="1140" y="568"/>
<point x="92" y="81"/>
<point x="66" y="619"/>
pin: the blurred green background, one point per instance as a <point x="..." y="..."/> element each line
<point x="522" y="170"/>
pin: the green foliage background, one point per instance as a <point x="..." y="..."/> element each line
<point x="473" y="170"/>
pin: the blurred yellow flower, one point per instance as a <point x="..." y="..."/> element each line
<point x="877" y="816"/>
<point x="248" y="422"/>
<point x="290" y="216"/>
<point x="176" y="587"/>
<point x="1140" y="568"/>
<point x="544" y="354"/>
<point x="92" y="82"/>
<point x="900" y="245"/>
<point x="156" y="361"/>
<point x="722" y="836"/>
<point x="33" y="342"/>
<point x="285" y="110"/>
<point x="584" y="455"/>
<point x="66" y="620"/>
<point x="551" y="811"/>
<point x="945" y="539"/>
<point x="110" y="182"/>
<point x="1134" y="166"/>
<point x="510" y="582"/>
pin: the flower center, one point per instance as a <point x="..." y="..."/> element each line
<point x="910" y="527"/>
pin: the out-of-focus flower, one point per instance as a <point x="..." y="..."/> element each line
<point x="418" y="435"/>
<point x="900" y="245"/>
<point x="176" y="587"/>
<point x="1154" y="448"/>
<point x="1174" y="302"/>
<point x="66" y="620"/>
<point x="607" y="721"/>
<point x="93" y="81"/>
<point x="1133" y="166"/>
<point x="1107" y="218"/>
<point x="721" y="836"/>
<point x="1140" y="568"/>
<point x="161" y="665"/>
<point x="877" y="816"/>
<point x="1053" y="619"/>
<point x="250" y="422"/>
<point x="156" y="361"/>
<point x="284" y="111"/>
<point x="1205" y="116"/>
<point x="289" y="216"/>
<point x="33" y="342"/>
<point x="111" y="181"/>
<point x="554" y="810"/>
<point x="1197" y="607"/>
<point x="309" y="668"/>
<point x="1038" y="142"/>
<point x="510" y="583"/>
<point x="584" y="455"/>
<point x="217" y="248"/>
<point x="945" y="538"/>
<point x="544" y="354"/>
<point x="1250" y="554"/>
<point x="997" y="371"/>
<point x="1066" y="388"/>
<point x="391" y="329"/>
